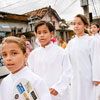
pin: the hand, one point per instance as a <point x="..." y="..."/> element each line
<point x="53" y="91"/>
<point x="96" y="83"/>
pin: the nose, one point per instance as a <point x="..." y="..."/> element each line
<point x="75" y="25"/>
<point x="8" y="58"/>
<point x="42" y="34"/>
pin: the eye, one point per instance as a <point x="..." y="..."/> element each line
<point x="14" y="53"/>
<point x="79" y="24"/>
<point x="74" y="23"/>
<point x="4" y="55"/>
<point x="45" y="32"/>
<point x="39" y="33"/>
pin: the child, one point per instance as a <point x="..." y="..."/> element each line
<point x="81" y="53"/>
<point x="28" y="44"/>
<point x="21" y="83"/>
<point x="49" y="61"/>
<point x="62" y="44"/>
<point x="95" y="29"/>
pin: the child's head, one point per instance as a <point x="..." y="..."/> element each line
<point x="80" y="23"/>
<point x="23" y="37"/>
<point x="14" y="53"/>
<point x="44" y="30"/>
<point x="94" y="28"/>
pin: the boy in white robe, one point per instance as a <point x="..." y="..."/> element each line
<point x="49" y="61"/>
<point x="21" y="83"/>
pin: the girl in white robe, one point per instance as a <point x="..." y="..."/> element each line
<point x="21" y="83"/>
<point x="49" y="61"/>
<point x="81" y="53"/>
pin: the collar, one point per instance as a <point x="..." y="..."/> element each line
<point x="48" y="46"/>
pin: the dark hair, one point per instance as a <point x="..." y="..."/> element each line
<point x="17" y="40"/>
<point x="83" y="18"/>
<point x="95" y="24"/>
<point x="48" y="24"/>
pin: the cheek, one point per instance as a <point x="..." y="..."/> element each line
<point x="4" y="60"/>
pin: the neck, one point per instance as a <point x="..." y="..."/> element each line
<point x="80" y="34"/>
<point x="95" y="33"/>
<point x="45" y="44"/>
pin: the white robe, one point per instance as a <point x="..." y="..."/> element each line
<point x="81" y="53"/>
<point x="96" y="64"/>
<point x="49" y="63"/>
<point x="8" y="83"/>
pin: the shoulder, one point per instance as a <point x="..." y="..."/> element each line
<point x="70" y="43"/>
<point x="58" y="50"/>
<point x="36" y="50"/>
<point x="6" y="80"/>
<point x="57" y="47"/>
<point x="31" y="76"/>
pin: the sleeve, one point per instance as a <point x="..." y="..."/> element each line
<point x="43" y="91"/>
<point x="65" y="79"/>
<point x="0" y="92"/>
<point x="96" y="61"/>
<point x="30" y="60"/>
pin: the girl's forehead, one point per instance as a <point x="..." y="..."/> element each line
<point x="10" y="45"/>
<point x="77" y="19"/>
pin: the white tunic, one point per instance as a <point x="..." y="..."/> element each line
<point x="8" y="83"/>
<point x="96" y="64"/>
<point x="49" y="63"/>
<point x="81" y="52"/>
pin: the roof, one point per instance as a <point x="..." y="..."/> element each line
<point x="40" y="13"/>
<point x="10" y="16"/>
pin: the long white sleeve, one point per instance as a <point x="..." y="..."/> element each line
<point x="96" y="61"/>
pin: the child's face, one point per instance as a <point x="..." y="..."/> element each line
<point x="78" y="26"/>
<point x="13" y="57"/>
<point x="44" y="35"/>
<point x="94" y="29"/>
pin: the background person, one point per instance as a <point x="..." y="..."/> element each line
<point x="28" y="44"/>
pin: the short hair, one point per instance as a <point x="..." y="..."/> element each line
<point x="17" y="40"/>
<point x="48" y="24"/>
<point x="95" y="24"/>
<point x="83" y="18"/>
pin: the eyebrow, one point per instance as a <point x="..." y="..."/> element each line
<point x="10" y="50"/>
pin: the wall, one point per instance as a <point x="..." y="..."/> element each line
<point x="47" y="18"/>
<point x="16" y="24"/>
<point x="97" y="20"/>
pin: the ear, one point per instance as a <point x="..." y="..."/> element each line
<point x="51" y="33"/>
<point x="26" y="56"/>
<point x="98" y="29"/>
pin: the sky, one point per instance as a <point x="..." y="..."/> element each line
<point x="66" y="9"/>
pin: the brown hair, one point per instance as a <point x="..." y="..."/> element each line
<point x="17" y="40"/>
<point x="97" y="25"/>
<point x="83" y="18"/>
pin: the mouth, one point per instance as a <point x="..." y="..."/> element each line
<point x="42" y="39"/>
<point x="76" y="29"/>
<point x="10" y="65"/>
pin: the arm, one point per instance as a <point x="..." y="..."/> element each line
<point x="44" y="91"/>
<point x="65" y="79"/>
<point x="96" y="63"/>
